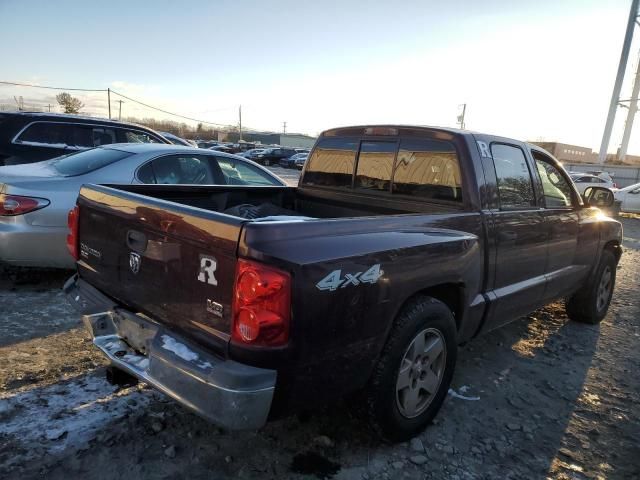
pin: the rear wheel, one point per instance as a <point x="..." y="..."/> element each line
<point x="591" y="302"/>
<point x="415" y="369"/>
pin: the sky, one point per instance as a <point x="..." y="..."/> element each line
<point x="528" y="69"/>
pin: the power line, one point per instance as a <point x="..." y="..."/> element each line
<point x="171" y="113"/>
<point x="53" y="88"/>
<point x="121" y="95"/>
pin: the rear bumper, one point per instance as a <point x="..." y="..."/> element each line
<point x="227" y="393"/>
<point x="26" y="245"/>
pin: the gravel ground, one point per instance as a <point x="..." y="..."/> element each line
<point x="540" y="398"/>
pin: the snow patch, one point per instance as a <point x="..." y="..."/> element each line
<point x="463" y="389"/>
<point x="181" y="350"/>
<point x="66" y="415"/>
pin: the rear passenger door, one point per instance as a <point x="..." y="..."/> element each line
<point x="517" y="232"/>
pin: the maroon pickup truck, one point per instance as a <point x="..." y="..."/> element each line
<point x="246" y="303"/>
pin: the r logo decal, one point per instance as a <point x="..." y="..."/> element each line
<point x="207" y="272"/>
<point x="484" y="149"/>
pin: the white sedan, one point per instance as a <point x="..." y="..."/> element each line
<point x="630" y="198"/>
<point x="585" y="180"/>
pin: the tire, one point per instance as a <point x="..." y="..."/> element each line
<point x="404" y="368"/>
<point x="591" y="302"/>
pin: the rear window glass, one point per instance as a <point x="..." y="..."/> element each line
<point x="429" y="169"/>
<point x="332" y="163"/>
<point x="87" y="161"/>
<point x="375" y="164"/>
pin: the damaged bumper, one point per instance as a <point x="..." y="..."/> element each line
<point x="227" y="393"/>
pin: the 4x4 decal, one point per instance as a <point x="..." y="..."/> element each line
<point x="334" y="280"/>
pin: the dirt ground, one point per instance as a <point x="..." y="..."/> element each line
<point x="540" y="398"/>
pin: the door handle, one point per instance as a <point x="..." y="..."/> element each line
<point x="136" y="241"/>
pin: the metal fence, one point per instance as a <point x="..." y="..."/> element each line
<point x="622" y="175"/>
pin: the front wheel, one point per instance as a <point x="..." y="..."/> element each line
<point x="591" y="302"/>
<point x="414" y="371"/>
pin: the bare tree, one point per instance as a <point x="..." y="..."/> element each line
<point x="69" y="103"/>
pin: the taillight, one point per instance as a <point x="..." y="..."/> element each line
<point x="11" y="205"/>
<point x="261" y="305"/>
<point x="72" y="236"/>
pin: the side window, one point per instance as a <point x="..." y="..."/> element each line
<point x="514" y="179"/>
<point x="145" y="173"/>
<point x="375" y="164"/>
<point x="103" y="136"/>
<point x="332" y="163"/>
<point x="137" y="136"/>
<point x="236" y="172"/>
<point x="174" y="169"/>
<point x="557" y="192"/>
<point x="429" y="169"/>
<point x="57" y="135"/>
<point x="88" y="136"/>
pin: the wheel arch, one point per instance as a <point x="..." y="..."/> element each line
<point x="450" y="293"/>
<point x="615" y="248"/>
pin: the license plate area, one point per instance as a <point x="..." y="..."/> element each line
<point x="137" y="332"/>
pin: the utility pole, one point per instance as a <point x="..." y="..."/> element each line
<point x="284" y="128"/>
<point x="615" y="95"/>
<point x="49" y="105"/>
<point x="461" y="117"/>
<point x="631" y="113"/>
<point x="240" y="121"/>
<point x="109" y="101"/>
<point x="120" y="109"/>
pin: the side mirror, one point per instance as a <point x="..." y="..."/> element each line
<point x="598" y="197"/>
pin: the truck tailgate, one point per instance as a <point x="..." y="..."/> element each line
<point x="171" y="262"/>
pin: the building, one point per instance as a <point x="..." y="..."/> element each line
<point x="294" y="140"/>
<point x="570" y="154"/>
<point x="566" y="152"/>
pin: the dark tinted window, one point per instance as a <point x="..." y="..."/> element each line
<point x="136" y="136"/>
<point x="514" y="179"/>
<point x="428" y="169"/>
<point x="332" y="163"/>
<point x="145" y="173"/>
<point x="87" y="161"/>
<point x="375" y="164"/>
<point x="67" y="135"/>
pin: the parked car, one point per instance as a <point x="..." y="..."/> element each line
<point x="35" y="198"/>
<point x="264" y="301"/>
<point x="301" y="159"/>
<point x="294" y="161"/>
<point x="629" y="198"/>
<point x="250" y="154"/>
<point x="585" y="180"/>
<point x="221" y="148"/>
<point x="176" y="140"/>
<point x="33" y="137"/>
<point x="272" y="156"/>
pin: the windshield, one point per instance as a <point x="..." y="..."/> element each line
<point x="86" y="161"/>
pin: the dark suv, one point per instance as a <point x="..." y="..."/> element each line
<point x="32" y="137"/>
<point x="272" y="156"/>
